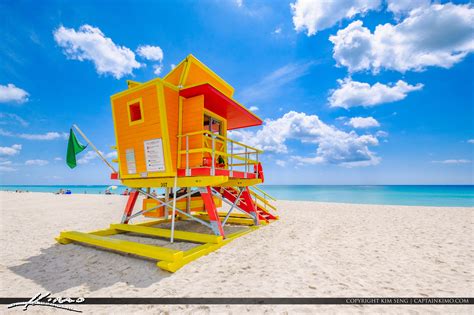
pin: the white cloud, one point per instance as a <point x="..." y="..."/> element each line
<point x="111" y="155"/>
<point x="438" y="35"/>
<point x="470" y="141"/>
<point x="148" y="52"/>
<point x="89" y="43"/>
<point x="352" y="93"/>
<point x="36" y="162"/>
<point x="7" y="118"/>
<point x="157" y="69"/>
<point x="280" y="163"/>
<point x="52" y="135"/>
<point x="381" y="134"/>
<point x="91" y="155"/>
<point x="453" y="161"/>
<point x="172" y="66"/>
<point x="58" y="158"/>
<point x="333" y="145"/>
<point x="273" y="82"/>
<point x="86" y="158"/>
<point x="45" y="136"/>
<point x="314" y="16"/>
<point x="253" y="108"/>
<point x="12" y="150"/>
<point x="399" y="7"/>
<point x="363" y="122"/>
<point x="11" y="94"/>
<point x="277" y="31"/>
<point x="7" y="168"/>
<point x="239" y="3"/>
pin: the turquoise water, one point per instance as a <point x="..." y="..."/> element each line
<point x="447" y="196"/>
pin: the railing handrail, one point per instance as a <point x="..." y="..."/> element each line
<point x="195" y="133"/>
<point x="264" y="193"/>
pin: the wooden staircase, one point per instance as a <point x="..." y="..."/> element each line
<point x="251" y="200"/>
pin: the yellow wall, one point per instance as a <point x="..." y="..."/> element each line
<point x="193" y="120"/>
<point x="175" y="75"/>
<point x="172" y="112"/>
<point x="198" y="75"/>
<point x="132" y="136"/>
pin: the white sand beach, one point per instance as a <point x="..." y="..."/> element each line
<point x="314" y="250"/>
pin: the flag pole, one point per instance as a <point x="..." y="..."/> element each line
<point x="94" y="148"/>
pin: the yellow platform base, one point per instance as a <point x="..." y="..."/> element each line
<point x="168" y="259"/>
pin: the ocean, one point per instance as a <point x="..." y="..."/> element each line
<point x="411" y="195"/>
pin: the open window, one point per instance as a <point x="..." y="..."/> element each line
<point x="213" y="125"/>
<point x="135" y="112"/>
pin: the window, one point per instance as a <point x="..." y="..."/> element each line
<point x="135" y="112"/>
<point x="213" y="125"/>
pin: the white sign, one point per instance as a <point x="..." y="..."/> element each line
<point x="155" y="161"/>
<point x="130" y="160"/>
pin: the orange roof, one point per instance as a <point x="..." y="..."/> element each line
<point x="237" y="116"/>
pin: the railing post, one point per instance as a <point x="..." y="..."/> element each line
<point x="213" y="167"/>
<point x="256" y="155"/>
<point x="231" y="159"/>
<point x="246" y="162"/>
<point x="187" y="155"/>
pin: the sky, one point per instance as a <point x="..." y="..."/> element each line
<point x="357" y="92"/>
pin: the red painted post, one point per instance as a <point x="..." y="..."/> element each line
<point x="251" y="208"/>
<point x="132" y="199"/>
<point x="211" y="209"/>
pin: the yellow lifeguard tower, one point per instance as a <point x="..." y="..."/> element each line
<point x="171" y="133"/>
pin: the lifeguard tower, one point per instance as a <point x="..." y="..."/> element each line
<point x="171" y="133"/>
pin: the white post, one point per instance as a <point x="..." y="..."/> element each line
<point x="174" y="207"/>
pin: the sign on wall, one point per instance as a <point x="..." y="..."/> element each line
<point x="130" y="160"/>
<point x="155" y="161"/>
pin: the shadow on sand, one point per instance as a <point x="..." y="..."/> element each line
<point x="62" y="267"/>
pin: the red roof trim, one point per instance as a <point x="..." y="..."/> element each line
<point x="237" y="116"/>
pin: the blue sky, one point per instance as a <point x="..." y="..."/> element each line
<point x="361" y="92"/>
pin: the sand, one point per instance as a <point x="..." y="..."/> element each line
<point x="314" y="250"/>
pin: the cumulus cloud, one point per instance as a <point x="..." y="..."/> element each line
<point x="36" y="162"/>
<point x="91" y="155"/>
<point x="438" y="35"/>
<point x="314" y="16"/>
<point x="154" y="53"/>
<point x="363" y="122"/>
<point x="253" y="108"/>
<point x="52" y="135"/>
<point x="453" y="161"/>
<point x="333" y="146"/>
<point x="157" y="69"/>
<point x="399" y="7"/>
<point x="12" y="150"/>
<point x="11" y="94"/>
<point x="89" y="43"/>
<point x="352" y="93"/>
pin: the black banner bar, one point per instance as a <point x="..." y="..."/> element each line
<point x="262" y="301"/>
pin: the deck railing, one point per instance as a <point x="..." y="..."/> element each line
<point x="237" y="156"/>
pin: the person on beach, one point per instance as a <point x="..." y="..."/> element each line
<point x="126" y="192"/>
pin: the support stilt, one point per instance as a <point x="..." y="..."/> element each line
<point x="210" y="207"/>
<point x="132" y="199"/>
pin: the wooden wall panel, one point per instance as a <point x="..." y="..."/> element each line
<point x="193" y="120"/>
<point x="172" y="111"/>
<point x="133" y="136"/>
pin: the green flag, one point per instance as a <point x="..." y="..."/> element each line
<point x="73" y="149"/>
